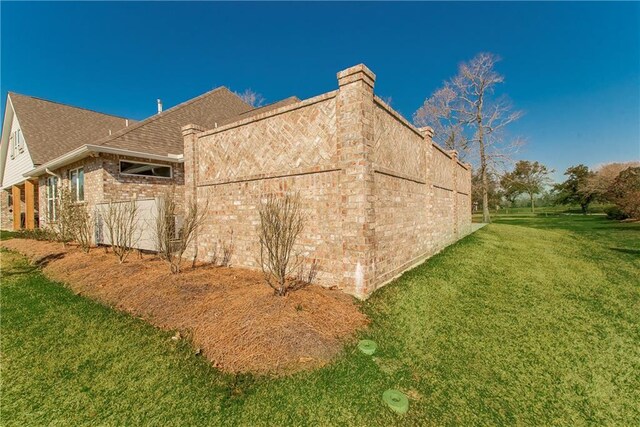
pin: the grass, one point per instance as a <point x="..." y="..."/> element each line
<point x="531" y="320"/>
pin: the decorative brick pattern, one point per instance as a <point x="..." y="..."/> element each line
<point x="299" y="139"/>
<point x="397" y="148"/>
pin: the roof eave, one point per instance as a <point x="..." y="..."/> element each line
<point x="84" y="151"/>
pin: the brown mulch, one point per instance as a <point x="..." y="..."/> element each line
<point x="231" y="315"/>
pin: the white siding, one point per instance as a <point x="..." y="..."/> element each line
<point x="22" y="163"/>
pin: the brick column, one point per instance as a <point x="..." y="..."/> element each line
<point x="29" y="201"/>
<point x="427" y="132"/>
<point x="456" y="216"/>
<point x="17" y="201"/>
<point x="354" y="121"/>
<point x="190" y="135"/>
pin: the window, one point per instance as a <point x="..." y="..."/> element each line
<point x="52" y="198"/>
<point x="19" y="140"/>
<point x="12" y="145"/>
<point x="76" y="180"/>
<point x="145" y="169"/>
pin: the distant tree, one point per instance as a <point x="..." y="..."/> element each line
<point x="528" y="178"/>
<point x="625" y="192"/>
<point x="510" y="189"/>
<point x="493" y="193"/>
<point x="252" y="98"/>
<point x="575" y="189"/>
<point x="471" y="119"/>
<point x="601" y="182"/>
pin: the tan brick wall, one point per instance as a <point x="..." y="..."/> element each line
<point x="6" y="215"/>
<point x="103" y="182"/>
<point x="378" y="194"/>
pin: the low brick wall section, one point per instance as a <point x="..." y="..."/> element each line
<point x="378" y="195"/>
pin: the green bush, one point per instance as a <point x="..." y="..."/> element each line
<point x="614" y="212"/>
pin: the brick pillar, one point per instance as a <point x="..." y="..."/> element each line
<point x="17" y="198"/>
<point x="190" y="135"/>
<point x="454" y="204"/>
<point x="29" y="201"/>
<point x="354" y="123"/>
<point x="429" y="219"/>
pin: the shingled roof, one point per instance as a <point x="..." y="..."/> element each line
<point x="161" y="134"/>
<point x="52" y="129"/>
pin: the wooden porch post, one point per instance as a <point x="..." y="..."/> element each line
<point x="17" y="197"/>
<point x="29" y="199"/>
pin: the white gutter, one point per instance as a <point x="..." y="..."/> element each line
<point x="85" y="150"/>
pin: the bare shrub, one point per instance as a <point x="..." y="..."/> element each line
<point x="64" y="223"/>
<point x="227" y="251"/>
<point x="281" y="223"/>
<point x="307" y="273"/>
<point x="173" y="239"/>
<point x="121" y="221"/>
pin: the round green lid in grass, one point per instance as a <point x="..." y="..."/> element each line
<point x="396" y="400"/>
<point x="367" y="346"/>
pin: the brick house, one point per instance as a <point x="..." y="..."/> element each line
<point x="99" y="157"/>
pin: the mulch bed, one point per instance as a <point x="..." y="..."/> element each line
<point x="231" y="315"/>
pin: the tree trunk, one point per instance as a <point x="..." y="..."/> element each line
<point x="483" y="165"/>
<point x="583" y="206"/>
<point x="533" y="208"/>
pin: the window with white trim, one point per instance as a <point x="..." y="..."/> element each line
<point x="76" y="183"/>
<point x="145" y="169"/>
<point x="52" y="198"/>
<point x="19" y="141"/>
<point x="12" y="145"/>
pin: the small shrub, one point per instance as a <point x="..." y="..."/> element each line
<point x="173" y="239"/>
<point x="121" y="222"/>
<point x="614" y="212"/>
<point x="281" y="223"/>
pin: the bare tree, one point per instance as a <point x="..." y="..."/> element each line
<point x="121" y="221"/>
<point x="439" y="112"/>
<point x="472" y="120"/>
<point x="252" y="98"/>
<point x="173" y="238"/>
<point x="281" y="222"/>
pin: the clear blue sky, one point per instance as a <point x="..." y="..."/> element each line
<point x="573" y="67"/>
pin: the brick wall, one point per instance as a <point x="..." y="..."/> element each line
<point x="103" y="182"/>
<point x="379" y="196"/>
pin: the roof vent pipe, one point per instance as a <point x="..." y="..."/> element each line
<point x="126" y="122"/>
<point x="159" y="105"/>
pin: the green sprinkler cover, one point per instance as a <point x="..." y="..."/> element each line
<point x="367" y="346"/>
<point x="396" y="401"/>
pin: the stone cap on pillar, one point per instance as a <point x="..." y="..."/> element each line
<point x="355" y="73"/>
<point x="191" y="129"/>
<point x="427" y="131"/>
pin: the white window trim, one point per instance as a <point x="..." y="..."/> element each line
<point x="12" y="145"/>
<point x="147" y="164"/>
<point x="77" y="195"/>
<point x="20" y="140"/>
<point x="52" y="216"/>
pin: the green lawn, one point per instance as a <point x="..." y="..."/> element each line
<point x="531" y="320"/>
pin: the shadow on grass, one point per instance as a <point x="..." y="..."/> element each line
<point x="627" y="251"/>
<point x="20" y="271"/>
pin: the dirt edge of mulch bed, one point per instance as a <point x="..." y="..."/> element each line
<point x="231" y="315"/>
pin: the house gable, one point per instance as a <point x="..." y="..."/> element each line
<point x="15" y="158"/>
